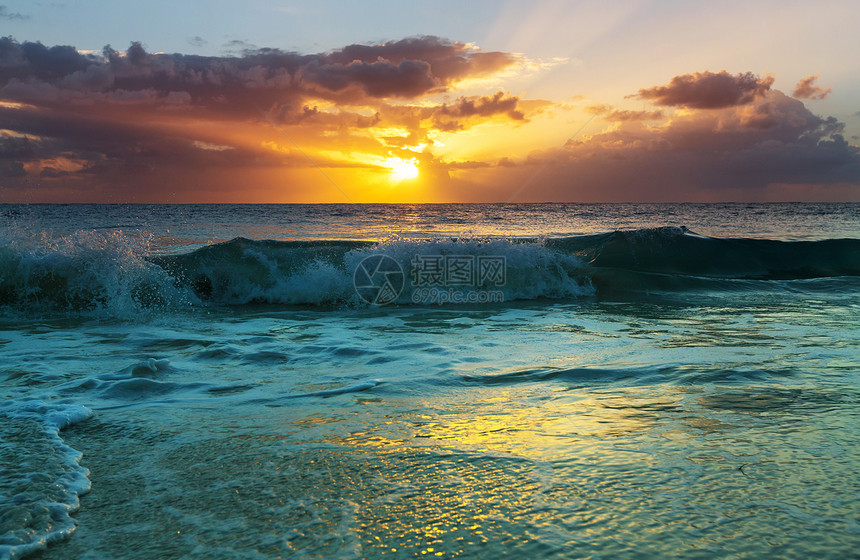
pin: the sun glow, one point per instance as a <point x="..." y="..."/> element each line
<point x="402" y="169"/>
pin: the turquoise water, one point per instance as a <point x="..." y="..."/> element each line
<point x="662" y="391"/>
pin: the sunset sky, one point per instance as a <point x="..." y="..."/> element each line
<point x="283" y="101"/>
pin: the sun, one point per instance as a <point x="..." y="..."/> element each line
<point x="402" y="169"/>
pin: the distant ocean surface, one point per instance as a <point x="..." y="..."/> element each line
<point x="476" y="381"/>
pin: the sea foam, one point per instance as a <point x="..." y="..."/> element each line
<point x="44" y="479"/>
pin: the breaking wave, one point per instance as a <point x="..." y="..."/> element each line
<point x="116" y="274"/>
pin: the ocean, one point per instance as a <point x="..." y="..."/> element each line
<point x="401" y="381"/>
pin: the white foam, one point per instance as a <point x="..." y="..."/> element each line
<point x="70" y="479"/>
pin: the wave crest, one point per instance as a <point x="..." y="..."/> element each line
<point x="116" y="274"/>
<point x="87" y="271"/>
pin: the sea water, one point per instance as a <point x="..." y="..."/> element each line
<point x="474" y="381"/>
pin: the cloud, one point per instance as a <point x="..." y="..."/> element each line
<point x="109" y="110"/>
<point x="408" y="78"/>
<point x="289" y="115"/>
<point x="197" y="41"/>
<point x="612" y="114"/>
<point x="107" y="148"/>
<point x="15" y="147"/>
<point x="806" y="89"/>
<point x="211" y="147"/>
<point x="259" y="78"/>
<point x="12" y="169"/>
<point x="140" y="125"/>
<point x="733" y="153"/>
<point x="14" y="151"/>
<point x="484" y="106"/>
<point x="407" y="68"/>
<point x="708" y="90"/>
<point x="6" y="14"/>
<point x="456" y="116"/>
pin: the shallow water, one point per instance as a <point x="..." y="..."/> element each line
<point x="607" y="408"/>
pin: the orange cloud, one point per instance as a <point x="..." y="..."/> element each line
<point x="612" y="114"/>
<point x="806" y="89"/>
<point x="142" y="114"/>
<point x="732" y="153"/>
<point x="137" y="126"/>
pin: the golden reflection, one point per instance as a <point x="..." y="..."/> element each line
<point x="317" y="420"/>
<point x="454" y="474"/>
<point x="501" y="424"/>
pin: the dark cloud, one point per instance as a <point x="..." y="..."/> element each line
<point x="708" y="90"/>
<point x="6" y="14"/>
<point x="238" y="46"/>
<point x="52" y="172"/>
<point x="484" y="106"/>
<point x="14" y="151"/>
<point x="12" y="169"/>
<point x="32" y="72"/>
<point x="94" y="114"/>
<point x="15" y="147"/>
<point x="456" y="116"/>
<point x="290" y="116"/>
<point x="197" y="41"/>
<point x="408" y="78"/>
<point x="806" y="89"/>
<point x="35" y="61"/>
<point x="137" y="120"/>
<point x="112" y="148"/>
<point x="448" y="60"/>
<point x="405" y="68"/>
<point x="735" y="153"/>
<point x="465" y="113"/>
